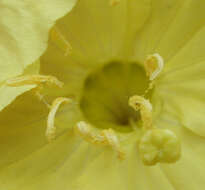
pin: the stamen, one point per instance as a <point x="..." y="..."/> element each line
<point x="60" y="41"/>
<point x="153" y="65"/>
<point x="114" y="2"/>
<point x="51" y="129"/>
<point x="145" y="107"/>
<point x="85" y="131"/>
<point x="37" y="92"/>
<point x="159" y="145"/>
<point x="112" y="140"/>
<point x="33" y="79"/>
<point x="106" y="137"/>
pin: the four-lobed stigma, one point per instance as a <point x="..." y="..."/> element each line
<point x="159" y="145"/>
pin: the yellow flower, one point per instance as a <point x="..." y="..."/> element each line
<point x="133" y="84"/>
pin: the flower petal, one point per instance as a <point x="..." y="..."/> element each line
<point x="169" y="28"/>
<point x="23" y="127"/>
<point x="181" y="174"/>
<point x="68" y="162"/>
<point x="27" y="164"/>
<point x="32" y="162"/>
<point x="71" y="72"/>
<point x="189" y="109"/>
<point x="182" y="29"/>
<point x="192" y="161"/>
<point x="8" y="94"/>
<point x="182" y="84"/>
<point x="46" y="167"/>
<point x="103" y="30"/>
<point x="24" y="32"/>
<point x="192" y="53"/>
<point x="110" y="173"/>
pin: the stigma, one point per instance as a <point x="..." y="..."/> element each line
<point x="159" y="145"/>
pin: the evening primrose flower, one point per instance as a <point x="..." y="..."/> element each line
<point x="130" y="113"/>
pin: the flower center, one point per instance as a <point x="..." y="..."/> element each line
<point x="106" y="93"/>
<point x="113" y="100"/>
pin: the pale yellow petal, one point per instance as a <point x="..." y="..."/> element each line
<point x="189" y="109"/>
<point x="23" y="126"/>
<point x="106" y="172"/>
<point x="171" y="25"/>
<point x="53" y="166"/>
<point x="38" y="164"/>
<point x="192" y="53"/>
<point x="181" y="174"/>
<point x="72" y="73"/>
<point x="24" y="31"/>
<point x="8" y="94"/>
<point x="192" y="159"/>
<point x="182" y="29"/>
<point x="182" y="84"/>
<point x="103" y="30"/>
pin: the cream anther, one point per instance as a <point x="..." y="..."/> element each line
<point x="51" y="128"/>
<point x="84" y="130"/>
<point x="112" y="140"/>
<point x="33" y="80"/>
<point x="106" y="137"/>
<point x="144" y="106"/>
<point x="153" y="65"/>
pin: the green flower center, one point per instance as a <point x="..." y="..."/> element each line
<point x="106" y="93"/>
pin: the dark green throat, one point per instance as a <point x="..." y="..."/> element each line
<point x="106" y="92"/>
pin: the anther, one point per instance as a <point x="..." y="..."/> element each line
<point x="143" y="105"/>
<point x="60" y="41"/>
<point x="51" y="128"/>
<point x="84" y="130"/>
<point x="153" y="65"/>
<point x="112" y="140"/>
<point x="107" y="137"/>
<point x="33" y="80"/>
